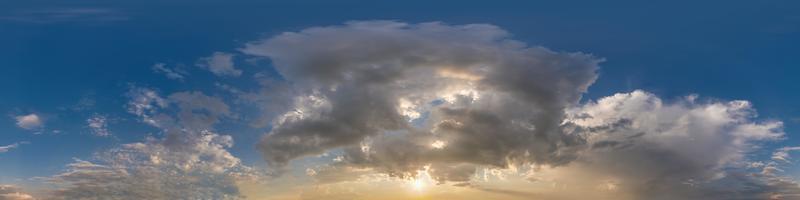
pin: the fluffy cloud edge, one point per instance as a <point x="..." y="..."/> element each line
<point x="30" y="121"/>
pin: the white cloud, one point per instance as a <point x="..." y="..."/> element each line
<point x="9" y="147"/>
<point x="657" y="149"/>
<point x="220" y="63"/>
<point x="29" y="122"/>
<point x="199" y="167"/>
<point x="146" y="103"/>
<point x="782" y="154"/>
<point x="10" y="192"/>
<point x="98" y="124"/>
<point x="170" y="73"/>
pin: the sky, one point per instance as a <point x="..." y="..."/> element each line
<point x="399" y="100"/>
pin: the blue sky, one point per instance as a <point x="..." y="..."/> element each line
<point x="71" y="61"/>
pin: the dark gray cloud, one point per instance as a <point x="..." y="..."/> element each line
<point x="500" y="101"/>
<point x="397" y="98"/>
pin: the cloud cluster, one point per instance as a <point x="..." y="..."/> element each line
<point x="189" y="162"/>
<point x="395" y="98"/>
<point x="199" y="168"/>
<point x="454" y="104"/>
<point x="10" y="192"/>
<point x="680" y="150"/>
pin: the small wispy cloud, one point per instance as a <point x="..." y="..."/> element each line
<point x="9" y="147"/>
<point x="12" y="192"/>
<point x="98" y="124"/>
<point x="221" y="64"/>
<point x="57" y="15"/>
<point x="174" y="73"/>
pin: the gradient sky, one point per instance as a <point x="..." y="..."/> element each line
<point x="196" y="95"/>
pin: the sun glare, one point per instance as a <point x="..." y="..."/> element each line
<point x="422" y="181"/>
<point x="418" y="185"/>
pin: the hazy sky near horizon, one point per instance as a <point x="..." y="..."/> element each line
<point x="399" y="100"/>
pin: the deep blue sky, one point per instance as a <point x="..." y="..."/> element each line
<point x="718" y="49"/>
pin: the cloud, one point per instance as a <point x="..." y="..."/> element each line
<point x="145" y="103"/>
<point x="62" y="15"/>
<point x="170" y="73"/>
<point x="270" y="100"/>
<point x="9" y="147"/>
<point x="480" y="92"/>
<point x="782" y="154"/>
<point x="196" y="167"/>
<point x="29" y="122"/>
<point x="198" y="111"/>
<point x="98" y="124"/>
<point x="395" y="98"/>
<point x="220" y="63"/>
<point x="10" y="192"/>
<point x="681" y="150"/>
<point x="189" y="162"/>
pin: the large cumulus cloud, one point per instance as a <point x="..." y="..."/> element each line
<point x="490" y="99"/>
<point x="452" y="100"/>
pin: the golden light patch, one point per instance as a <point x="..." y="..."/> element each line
<point x="458" y="74"/>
